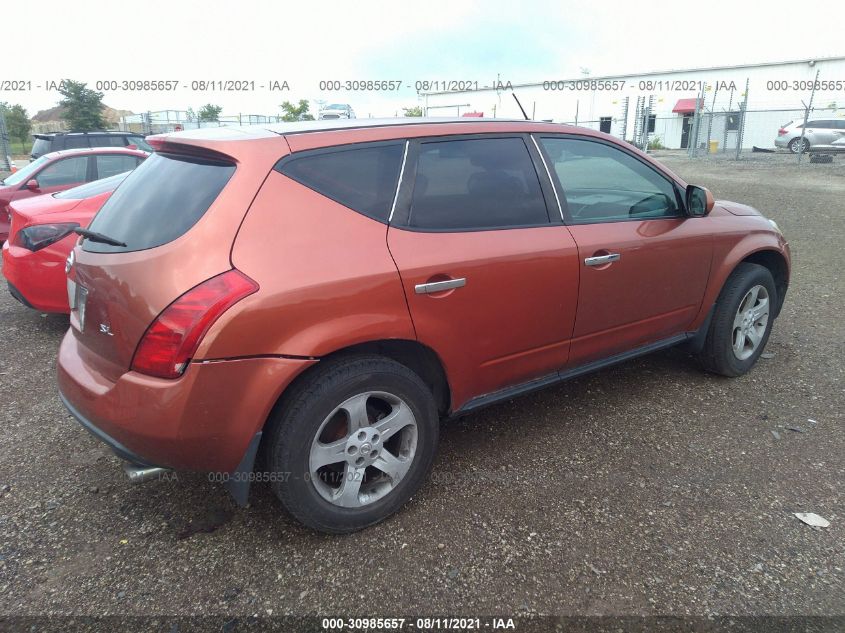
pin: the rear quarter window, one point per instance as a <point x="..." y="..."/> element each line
<point x="159" y="202"/>
<point x="363" y="177"/>
<point x="41" y="146"/>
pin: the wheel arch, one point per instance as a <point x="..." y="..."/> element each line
<point x="777" y="265"/>
<point x="417" y="357"/>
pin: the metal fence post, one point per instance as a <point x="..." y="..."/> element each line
<point x="725" y="126"/>
<point x="5" y="150"/>
<point x="807" y="115"/>
<point x="710" y="118"/>
<point x="741" y="126"/>
<point x="625" y="119"/>
<point x="696" y="125"/>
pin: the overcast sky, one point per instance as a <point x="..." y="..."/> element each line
<point x="305" y="42"/>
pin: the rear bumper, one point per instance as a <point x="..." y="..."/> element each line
<point x="117" y="448"/>
<point x="783" y="141"/>
<point x="203" y="421"/>
<point x="38" y="278"/>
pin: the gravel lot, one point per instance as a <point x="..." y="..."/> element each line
<point x="648" y="488"/>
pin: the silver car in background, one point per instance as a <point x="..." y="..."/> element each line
<point x="819" y="134"/>
<point x="337" y="111"/>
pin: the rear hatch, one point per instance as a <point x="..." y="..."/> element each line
<point x="177" y="214"/>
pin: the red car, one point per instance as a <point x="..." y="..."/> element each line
<point x="320" y="295"/>
<point x="58" y="171"/>
<point x="41" y="238"/>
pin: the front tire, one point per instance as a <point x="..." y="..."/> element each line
<point x="742" y="321"/>
<point x="352" y="443"/>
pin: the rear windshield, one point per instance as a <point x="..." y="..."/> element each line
<point x="91" y="189"/>
<point x="139" y="142"/>
<point x="41" y="146"/>
<point x="159" y="201"/>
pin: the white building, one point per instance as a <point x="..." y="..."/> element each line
<point x="777" y="92"/>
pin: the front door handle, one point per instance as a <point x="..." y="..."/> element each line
<point x="439" y="286"/>
<point x="600" y="260"/>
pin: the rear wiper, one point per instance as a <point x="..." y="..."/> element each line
<point x="97" y="237"/>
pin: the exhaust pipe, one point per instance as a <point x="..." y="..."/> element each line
<point x="139" y="474"/>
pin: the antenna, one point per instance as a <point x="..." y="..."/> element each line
<point x="520" y="106"/>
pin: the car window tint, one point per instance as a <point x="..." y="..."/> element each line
<point x="41" y="146"/>
<point x="138" y="142"/>
<point x="159" y="201"/>
<point x="109" y="165"/>
<point x="476" y="184"/>
<point x="114" y="140"/>
<point x="362" y="178"/>
<point x="605" y="184"/>
<point x="67" y="171"/>
<point x="75" y="142"/>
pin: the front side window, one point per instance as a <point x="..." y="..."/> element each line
<point x="362" y="178"/>
<point x="25" y="173"/>
<point x="603" y="184"/>
<point x="67" y="171"/>
<point x="476" y="184"/>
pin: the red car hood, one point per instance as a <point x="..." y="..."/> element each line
<point x="736" y="208"/>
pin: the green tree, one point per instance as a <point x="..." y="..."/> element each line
<point x="209" y="112"/>
<point x="83" y="107"/>
<point x="17" y="122"/>
<point x="415" y="111"/>
<point x="299" y="112"/>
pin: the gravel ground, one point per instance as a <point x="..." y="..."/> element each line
<point x="648" y="488"/>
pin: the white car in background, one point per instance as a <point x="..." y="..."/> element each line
<point x="819" y="134"/>
<point x="337" y="111"/>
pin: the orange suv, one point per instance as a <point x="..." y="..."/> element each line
<point x="302" y="304"/>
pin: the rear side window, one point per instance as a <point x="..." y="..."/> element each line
<point x="363" y="178"/>
<point x="159" y="201"/>
<point x="111" y="164"/>
<point x="75" y="142"/>
<point x="476" y="184"/>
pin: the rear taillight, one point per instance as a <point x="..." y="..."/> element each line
<point x="38" y="236"/>
<point x="171" y="340"/>
<point x="781" y="132"/>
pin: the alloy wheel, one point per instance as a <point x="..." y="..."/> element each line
<point x="363" y="449"/>
<point x="749" y="326"/>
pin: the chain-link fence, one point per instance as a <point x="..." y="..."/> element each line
<point x="177" y="120"/>
<point x="731" y="133"/>
<point x="725" y="122"/>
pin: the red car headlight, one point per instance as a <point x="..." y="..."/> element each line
<point x="38" y="236"/>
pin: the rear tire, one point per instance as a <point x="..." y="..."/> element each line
<point x="796" y="143"/>
<point x="352" y="443"/>
<point x="742" y="321"/>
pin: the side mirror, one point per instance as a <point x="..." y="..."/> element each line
<point x="131" y="146"/>
<point x="32" y="185"/>
<point x="699" y="201"/>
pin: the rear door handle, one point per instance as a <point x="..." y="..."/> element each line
<point x="602" y="259"/>
<point x="439" y="286"/>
